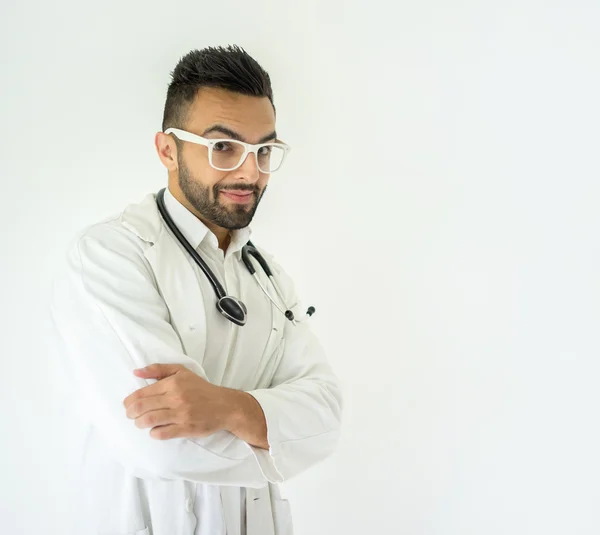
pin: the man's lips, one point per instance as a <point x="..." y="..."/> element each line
<point x="238" y="195"/>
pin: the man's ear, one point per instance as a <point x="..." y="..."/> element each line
<point x="166" y="150"/>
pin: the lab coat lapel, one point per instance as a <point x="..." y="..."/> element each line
<point x="178" y="285"/>
<point x="174" y="272"/>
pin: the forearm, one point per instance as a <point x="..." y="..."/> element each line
<point x="245" y="418"/>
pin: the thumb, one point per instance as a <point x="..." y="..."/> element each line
<point x="158" y="371"/>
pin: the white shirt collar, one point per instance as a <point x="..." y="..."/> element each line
<point x="196" y="232"/>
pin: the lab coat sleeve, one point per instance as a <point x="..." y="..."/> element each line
<point x="303" y="405"/>
<point x="110" y="319"/>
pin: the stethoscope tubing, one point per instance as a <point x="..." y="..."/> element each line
<point x="231" y="307"/>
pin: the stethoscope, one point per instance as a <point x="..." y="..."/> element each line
<point x="231" y="307"/>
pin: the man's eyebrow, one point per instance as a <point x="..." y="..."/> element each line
<point x="234" y="135"/>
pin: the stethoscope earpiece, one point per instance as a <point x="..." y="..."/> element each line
<point x="290" y="315"/>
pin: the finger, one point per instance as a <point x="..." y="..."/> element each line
<point x="158" y="371"/>
<point x="165" y="432"/>
<point x="155" y="389"/>
<point x="156" y="418"/>
<point x="143" y="405"/>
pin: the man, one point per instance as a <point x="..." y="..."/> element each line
<point x="189" y="420"/>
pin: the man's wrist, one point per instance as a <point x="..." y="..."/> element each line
<point x="244" y="417"/>
<point x="233" y="411"/>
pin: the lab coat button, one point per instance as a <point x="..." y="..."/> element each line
<point x="188" y="505"/>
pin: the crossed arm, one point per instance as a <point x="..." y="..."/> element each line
<point x="184" y="405"/>
<point x="111" y="319"/>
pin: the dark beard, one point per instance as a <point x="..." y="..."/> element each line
<point x="199" y="196"/>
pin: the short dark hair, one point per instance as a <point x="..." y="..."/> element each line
<point x="230" y="68"/>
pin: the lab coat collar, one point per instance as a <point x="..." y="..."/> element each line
<point x="145" y="221"/>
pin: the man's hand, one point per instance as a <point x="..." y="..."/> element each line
<point x="183" y="404"/>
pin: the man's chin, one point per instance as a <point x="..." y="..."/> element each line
<point x="238" y="219"/>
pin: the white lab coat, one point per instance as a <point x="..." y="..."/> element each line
<point x="126" y="300"/>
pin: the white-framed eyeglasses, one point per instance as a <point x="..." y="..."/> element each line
<point x="228" y="154"/>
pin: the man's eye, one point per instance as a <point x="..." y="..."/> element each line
<point x="222" y="146"/>
<point x="264" y="151"/>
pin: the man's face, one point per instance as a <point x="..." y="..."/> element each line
<point x="227" y="199"/>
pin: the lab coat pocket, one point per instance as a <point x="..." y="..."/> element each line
<point x="272" y="361"/>
<point x="271" y="354"/>
<point x="282" y="517"/>
<point x="259" y="519"/>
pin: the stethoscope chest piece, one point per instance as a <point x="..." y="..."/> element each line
<point x="233" y="309"/>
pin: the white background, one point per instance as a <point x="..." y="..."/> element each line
<point x="439" y="208"/>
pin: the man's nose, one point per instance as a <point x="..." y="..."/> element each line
<point x="249" y="168"/>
